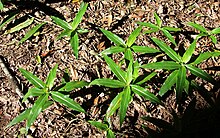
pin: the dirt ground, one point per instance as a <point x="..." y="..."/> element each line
<point x="118" y="17"/>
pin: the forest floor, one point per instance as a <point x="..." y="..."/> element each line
<point x="119" y="17"/>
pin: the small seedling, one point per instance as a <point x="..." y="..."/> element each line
<point x="158" y="27"/>
<point x="70" y="29"/>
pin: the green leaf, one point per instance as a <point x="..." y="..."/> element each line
<point x="145" y="93"/>
<point x="158" y="20"/>
<point x="62" y="23"/>
<point x="198" y="27"/>
<point x="79" y="15"/>
<point x="47" y="104"/>
<point x="69" y="86"/>
<point x="24" y="115"/>
<point x="74" y="42"/>
<point x="110" y="134"/>
<point x="120" y="74"/>
<point x="82" y="31"/>
<point x="205" y="56"/>
<point x="99" y="125"/>
<point x="168" y="83"/>
<point x="7" y="20"/>
<point x="147" y="78"/>
<point x="51" y="77"/>
<point x="113" y="49"/>
<point x="65" y="100"/>
<point x="144" y="49"/>
<point x="171" y="29"/>
<point x="64" y="33"/>
<point x="200" y="73"/>
<point x="186" y="87"/>
<point x="36" y="109"/>
<point x="189" y="52"/>
<point x="214" y="39"/>
<point x="150" y="25"/>
<point x="135" y="69"/>
<point x="133" y="36"/>
<point x="169" y="51"/>
<point x="114" y="105"/>
<point x="124" y="103"/>
<point x="169" y="65"/>
<point x="113" y="37"/>
<point x="20" y="26"/>
<point x="169" y="36"/>
<point x="108" y="83"/>
<point x="180" y="82"/>
<point x="215" y="31"/>
<point x="32" y="78"/>
<point x="129" y="72"/>
<point x="150" y="31"/>
<point x="31" y="32"/>
<point x="1" y="5"/>
<point x="33" y="92"/>
<point x="128" y="54"/>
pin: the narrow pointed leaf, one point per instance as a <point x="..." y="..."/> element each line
<point x="150" y="31"/>
<point x="82" y="31"/>
<point x="31" y="33"/>
<point x="214" y="39"/>
<point x="200" y="73"/>
<point x="21" y="26"/>
<point x="79" y="15"/>
<point x="47" y="104"/>
<point x="189" y="52"/>
<point x="169" y="36"/>
<point x="69" y="86"/>
<point x="169" y="51"/>
<point x="150" y="25"/>
<point x="133" y="36"/>
<point x="36" y="109"/>
<point x="51" y="77"/>
<point x="113" y="49"/>
<point x="74" y="42"/>
<point x="1" y="5"/>
<point x="110" y="134"/>
<point x="108" y="83"/>
<point x="120" y="74"/>
<point x="147" y="78"/>
<point x="7" y="20"/>
<point x="128" y="54"/>
<point x="136" y="69"/>
<point x="186" y="86"/>
<point x="64" y="33"/>
<point x="198" y="27"/>
<point x="24" y="115"/>
<point x="169" y="65"/>
<point x="62" y="23"/>
<point x="68" y="102"/>
<point x="99" y="125"/>
<point x="129" y="72"/>
<point x="32" y="78"/>
<point x="168" y="83"/>
<point x="171" y="29"/>
<point x="205" y="56"/>
<point x="144" y="49"/>
<point x="33" y="92"/>
<point x="215" y="31"/>
<point x="180" y="82"/>
<point x="158" y="20"/>
<point x="145" y="93"/>
<point x="124" y="104"/>
<point x="114" y="105"/>
<point x="113" y="37"/>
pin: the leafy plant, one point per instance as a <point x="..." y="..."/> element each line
<point x="129" y="83"/>
<point x="43" y="91"/>
<point x="127" y="47"/>
<point x="103" y="126"/>
<point x="158" y="27"/>
<point x="70" y="29"/>
<point x="179" y="66"/>
<point x="204" y="32"/>
<point x="1" y="5"/>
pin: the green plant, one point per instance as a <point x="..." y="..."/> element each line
<point x="178" y="66"/>
<point x="158" y="27"/>
<point x="70" y="30"/>
<point x="43" y="91"/>
<point x="127" y="47"/>
<point x="1" y="5"/>
<point x="205" y="32"/>
<point x="129" y="83"/>
<point x="104" y="127"/>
